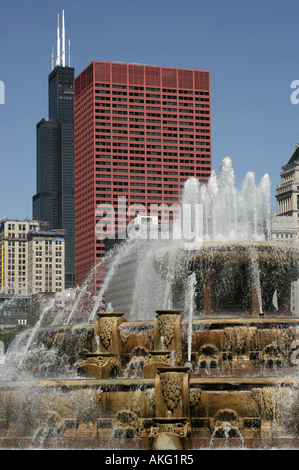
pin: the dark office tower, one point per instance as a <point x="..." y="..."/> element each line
<point x="54" y="198"/>
<point x="45" y="200"/>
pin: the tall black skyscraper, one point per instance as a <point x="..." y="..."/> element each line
<point x="54" y="198"/>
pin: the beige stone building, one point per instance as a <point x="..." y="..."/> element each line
<point x="14" y="255"/>
<point x="284" y="229"/>
<point x="32" y="260"/>
<point x="46" y="267"/>
<point x="287" y="192"/>
<point x="285" y="225"/>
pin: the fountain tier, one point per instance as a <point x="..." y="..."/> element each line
<point x="234" y="277"/>
<point x="130" y="386"/>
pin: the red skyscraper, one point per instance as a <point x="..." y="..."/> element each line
<point x="140" y="131"/>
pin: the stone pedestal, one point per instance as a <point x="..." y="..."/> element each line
<point x="106" y="334"/>
<point x="167" y="342"/>
<point x="172" y="408"/>
<point x="172" y="392"/>
<point x="167" y="332"/>
<point x="105" y="361"/>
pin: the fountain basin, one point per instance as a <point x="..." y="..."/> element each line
<point x="253" y="346"/>
<point x="235" y="277"/>
<point x="250" y="344"/>
<point x="257" y="409"/>
<point x="183" y="407"/>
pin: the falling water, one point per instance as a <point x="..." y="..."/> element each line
<point x="189" y="306"/>
<point x="134" y="367"/>
<point x="98" y="344"/>
<point x="83" y="291"/>
<point x="256" y="277"/>
<point x="190" y="218"/>
<point x="226" y="429"/>
<point x="119" y="254"/>
<point x="31" y="337"/>
<point x="148" y="292"/>
<point x="170" y="278"/>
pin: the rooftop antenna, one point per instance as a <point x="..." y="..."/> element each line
<point x="58" y="42"/>
<point x="52" y="58"/>
<point x="61" y="52"/>
<point x="63" y="41"/>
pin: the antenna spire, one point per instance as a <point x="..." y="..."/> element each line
<point x="69" y="52"/>
<point x="63" y="41"/>
<point x="58" y="42"/>
<point x="61" y="52"/>
<point x="52" y="58"/>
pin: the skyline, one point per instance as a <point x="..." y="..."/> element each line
<point x="249" y="49"/>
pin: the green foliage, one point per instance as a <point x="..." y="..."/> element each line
<point x="7" y="334"/>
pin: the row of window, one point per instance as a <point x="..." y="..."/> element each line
<point x="164" y="90"/>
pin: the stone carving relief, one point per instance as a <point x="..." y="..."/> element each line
<point x="266" y="399"/>
<point x="104" y="331"/>
<point x="53" y="421"/>
<point x="195" y="395"/>
<point x="273" y="353"/>
<point x="161" y="358"/>
<point x="208" y="352"/>
<point x="180" y="429"/>
<point x="166" y="329"/>
<point x="240" y="339"/>
<point x="226" y="423"/>
<point x="139" y="351"/>
<point x="101" y="361"/>
<point x="126" y="421"/>
<point x="172" y="385"/>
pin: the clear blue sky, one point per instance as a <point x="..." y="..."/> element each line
<point x="250" y="48"/>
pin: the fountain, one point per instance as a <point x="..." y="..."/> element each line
<point x="214" y="367"/>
